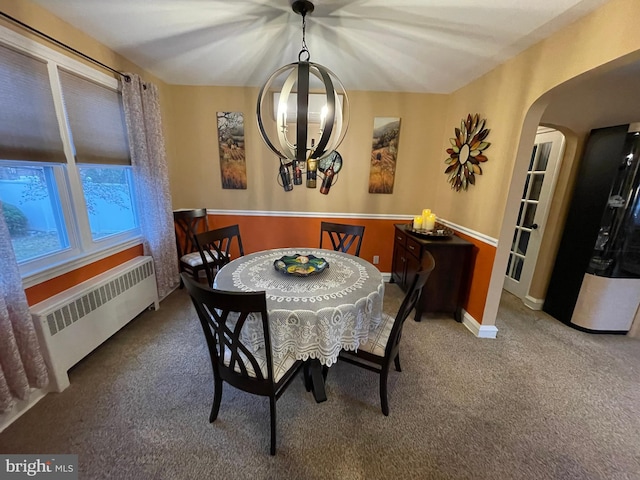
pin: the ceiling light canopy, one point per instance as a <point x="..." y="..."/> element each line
<point x="303" y="139"/>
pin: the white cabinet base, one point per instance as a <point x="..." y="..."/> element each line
<point x="607" y="304"/>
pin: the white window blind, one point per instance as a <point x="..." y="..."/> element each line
<point x="96" y="120"/>
<point x="75" y="214"/>
<point x="28" y="125"/>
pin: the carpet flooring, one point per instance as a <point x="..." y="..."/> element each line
<point x="542" y="401"/>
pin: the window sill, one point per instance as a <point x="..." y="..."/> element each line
<point x="69" y="265"/>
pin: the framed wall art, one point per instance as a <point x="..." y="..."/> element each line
<point x="233" y="165"/>
<point x="384" y="152"/>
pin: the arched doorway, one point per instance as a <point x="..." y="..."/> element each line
<point x="604" y="97"/>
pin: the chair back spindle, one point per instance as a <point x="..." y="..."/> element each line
<point x="216" y="247"/>
<point x="223" y="315"/>
<point x="382" y="348"/>
<point x="409" y="303"/>
<point x="342" y="236"/>
<point x="188" y="223"/>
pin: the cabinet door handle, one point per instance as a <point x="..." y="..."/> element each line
<point x="399" y="238"/>
<point x="403" y="260"/>
<point x="411" y="247"/>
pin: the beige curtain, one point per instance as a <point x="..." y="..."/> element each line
<point x="21" y="364"/>
<point x="148" y="157"/>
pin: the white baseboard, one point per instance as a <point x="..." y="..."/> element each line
<point x="386" y="277"/>
<point x="21" y="406"/>
<point x="533" y="303"/>
<point x="480" y="331"/>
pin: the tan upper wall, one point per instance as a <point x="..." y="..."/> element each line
<point x="505" y="95"/>
<point x="511" y="97"/>
<point x="195" y="171"/>
<point x="189" y="116"/>
<point x="40" y="19"/>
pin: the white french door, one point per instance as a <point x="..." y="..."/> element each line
<point x="534" y="210"/>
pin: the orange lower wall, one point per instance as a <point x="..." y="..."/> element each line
<point x="482" y="265"/>
<point x="263" y="233"/>
<point x="47" y="289"/>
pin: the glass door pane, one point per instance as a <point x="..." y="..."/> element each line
<point x="528" y="207"/>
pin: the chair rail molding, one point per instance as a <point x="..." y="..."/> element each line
<point x="472" y="233"/>
<point x="365" y="216"/>
<point x="284" y="213"/>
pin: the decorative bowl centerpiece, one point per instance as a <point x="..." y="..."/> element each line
<point x="300" y="265"/>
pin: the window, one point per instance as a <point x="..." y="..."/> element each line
<point x="109" y="199"/>
<point x="101" y="152"/>
<point x="66" y="182"/>
<point x="32" y="210"/>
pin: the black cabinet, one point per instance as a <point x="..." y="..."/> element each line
<point x="596" y="173"/>
<point x="448" y="284"/>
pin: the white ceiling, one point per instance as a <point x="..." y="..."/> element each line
<point x="433" y="46"/>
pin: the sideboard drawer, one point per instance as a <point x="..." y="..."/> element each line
<point x="414" y="247"/>
<point x="400" y="238"/>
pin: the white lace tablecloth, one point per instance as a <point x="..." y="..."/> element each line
<point x="314" y="316"/>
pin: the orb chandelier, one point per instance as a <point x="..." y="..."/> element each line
<point x="303" y="116"/>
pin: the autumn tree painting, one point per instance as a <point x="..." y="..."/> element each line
<point x="386" y="134"/>
<point x="233" y="166"/>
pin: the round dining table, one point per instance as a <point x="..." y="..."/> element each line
<point x="312" y="316"/>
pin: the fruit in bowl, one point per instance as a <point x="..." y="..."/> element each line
<point x="300" y="265"/>
<point x="299" y="269"/>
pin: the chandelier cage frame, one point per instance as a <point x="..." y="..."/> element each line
<point x="296" y="79"/>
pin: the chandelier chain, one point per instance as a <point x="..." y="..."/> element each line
<point x="304" y="40"/>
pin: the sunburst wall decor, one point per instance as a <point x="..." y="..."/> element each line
<point x="467" y="152"/>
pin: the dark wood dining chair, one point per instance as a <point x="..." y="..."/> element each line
<point x="215" y="246"/>
<point x="222" y="315"/>
<point x="383" y="344"/>
<point x="342" y="236"/>
<point x="187" y="224"/>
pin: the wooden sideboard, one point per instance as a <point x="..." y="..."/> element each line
<point x="448" y="284"/>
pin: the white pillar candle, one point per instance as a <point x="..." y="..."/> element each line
<point x="431" y="222"/>
<point x="417" y="223"/>
<point x="425" y="216"/>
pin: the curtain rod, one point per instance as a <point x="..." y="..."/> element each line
<point x="63" y="45"/>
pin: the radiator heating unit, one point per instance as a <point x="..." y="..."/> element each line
<point x="73" y="323"/>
